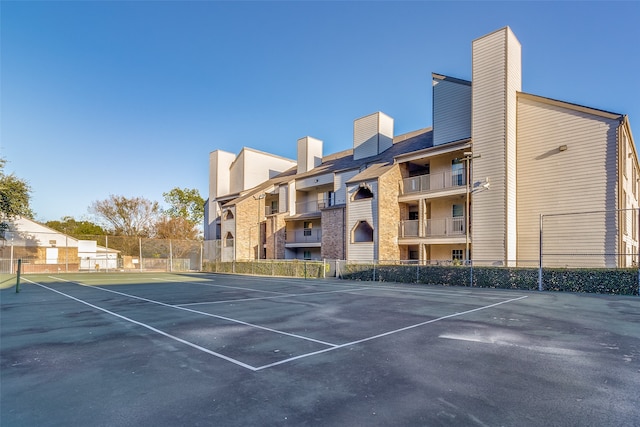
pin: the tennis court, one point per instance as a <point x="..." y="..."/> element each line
<point x="213" y="349"/>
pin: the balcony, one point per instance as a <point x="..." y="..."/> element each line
<point x="438" y="227"/>
<point x="303" y="237"/>
<point x="313" y="206"/>
<point x="433" y="182"/>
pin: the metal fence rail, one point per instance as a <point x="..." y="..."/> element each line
<point x="56" y="252"/>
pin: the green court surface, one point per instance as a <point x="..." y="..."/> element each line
<point x="211" y="349"/>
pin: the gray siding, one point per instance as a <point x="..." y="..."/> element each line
<point x="283" y="199"/>
<point x="451" y="111"/>
<point x="357" y="211"/>
<point x="514" y="85"/>
<point x="340" y="187"/>
<point x="372" y="134"/>
<point x="550" y="181"/>
<point x="495" y="77"/>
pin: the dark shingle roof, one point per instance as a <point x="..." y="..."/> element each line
<point x="343" y="160"/>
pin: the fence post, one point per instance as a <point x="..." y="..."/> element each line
<point x="140" y="250"/>
<point x="106" y="255"/>
<point x="540" y="256"/>
<point x="170" y="257"/>
<point x="18" y="276"/>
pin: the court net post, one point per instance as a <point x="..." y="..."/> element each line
<point x="18" y="275"/>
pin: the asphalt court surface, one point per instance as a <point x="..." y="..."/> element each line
<point x="572" y="356"/>
<point x="257" y="324"/>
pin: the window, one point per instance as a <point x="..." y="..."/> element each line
<point x="331" y="198"/>
<point x="307" y="228"/>
<point x="457" y="172"/>
<point x="274" y="206"/>
<point x="456" y="254"/>
<point x="306" y="255"/>
<point x="457" y="212"/>
<point x="413" y="215"/>
<point x="362" y="232"/>
<point x="228" y="240"/>
<point x="363" y="193"/>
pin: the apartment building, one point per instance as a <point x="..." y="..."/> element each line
<point x="473" y="186"/>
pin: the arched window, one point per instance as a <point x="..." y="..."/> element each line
<point x="228" y="240"/>
<point x="228" y="215"/>
<point x="363" y="193"/>
<point x="362" y="232"/>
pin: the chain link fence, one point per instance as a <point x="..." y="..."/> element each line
<point x="56" y="253"/>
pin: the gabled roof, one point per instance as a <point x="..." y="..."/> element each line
<point x="343" y="160"/>
<point x="564" y="104"/>
<point x="21" y="228"/>
<point x="283" y="178"/>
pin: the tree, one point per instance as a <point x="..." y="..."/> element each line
<point x="185" y="203"/>
<point x="124" y="216"/>
<point x="15" y="195"/>
<point x="176" y="228"/>
<point x="68" y="225"/>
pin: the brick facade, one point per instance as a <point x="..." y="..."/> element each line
<point x="388" y="214"/>
<point x="246" y="237"/>
<point x="333" y="233"/>
<point x="275" y="238"/>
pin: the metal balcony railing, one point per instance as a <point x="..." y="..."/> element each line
<point x="268" y="210"/>
<point x="409" y="228"/>
<point x="438" y="227"/>
<point x="433" y="182"/>
<point x="306" y="235"/>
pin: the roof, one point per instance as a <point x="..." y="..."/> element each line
<point x="282" y="178"/>
<point x="343" y="160"/>
<point x="564" y="104"/>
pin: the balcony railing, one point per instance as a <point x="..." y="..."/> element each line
<point x="313" y="205"/>
<point x="439" y="227"/>
<point x="269" y="210"/>
<point x="433" y="182"/>
<point x="306" y="235"/>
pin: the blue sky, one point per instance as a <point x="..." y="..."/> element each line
<point x="129" y="98"/>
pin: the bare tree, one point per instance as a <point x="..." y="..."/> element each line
<point x="176" y="228"/>
<point x="124" y="216"/>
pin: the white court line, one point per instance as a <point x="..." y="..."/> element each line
<point x="259" y="368"/>
<point x="151" y="328"/>
<point x="255" y="369"/>
<point x="219" y="286"/>
<point x="460" y="290"/>
<point x="263" y="298"/>
<point x="201" y="312"/>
